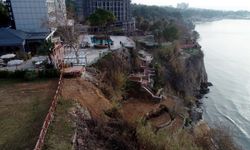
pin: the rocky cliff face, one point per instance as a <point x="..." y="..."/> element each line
<point x="184" y="74"/>
<point x="192" y="77"/>
<point x="113" y="71"/>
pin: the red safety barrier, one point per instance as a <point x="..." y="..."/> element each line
<point x="49" y="117"/>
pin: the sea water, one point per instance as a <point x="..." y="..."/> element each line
<point x="226" y="45"/>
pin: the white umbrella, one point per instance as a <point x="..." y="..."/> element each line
<point x="15" y="62"/>
<point x="39" y="58"/>
<point x="39" y="63"/>
<point x="8" y="56"/>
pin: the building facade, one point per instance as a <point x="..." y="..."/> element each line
<point x="120" y="8"/>
<point x="34" y="15"/>
<point x="79" y="7"/>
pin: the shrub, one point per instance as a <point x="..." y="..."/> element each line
<point x="148" y="139"/>
<point x="30" y="75"/>
<point x="18" y="74"/>
<point x="224" y="138"/>
<point x="49" y="73"/>
<point x="220" y="137"/>
<point x="181" y="140"/>
<point x="113" y="113"/>
<point x="10" y="74"/>
<point x="119" y="79"/>
<point x="4" y="74"/>
<point x="163" y="139"/>
<point x="114" y="68"/>
<point x="41" y="74"/>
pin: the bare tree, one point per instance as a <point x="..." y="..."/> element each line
<point x="66" y="29"/>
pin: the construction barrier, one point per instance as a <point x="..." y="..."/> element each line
<point x="50" y="116"/>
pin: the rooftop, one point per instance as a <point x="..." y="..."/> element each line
<point x="11" y="37"/>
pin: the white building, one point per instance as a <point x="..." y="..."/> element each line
<point x="33" y="15"/>
<point x="182" y="5"/>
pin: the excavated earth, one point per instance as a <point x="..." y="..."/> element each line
<point x="88" y="95"/>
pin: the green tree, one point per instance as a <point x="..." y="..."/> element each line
<point x="103" y="19"/>
<point x="145" y="25"/>
<point x="171" y="33"/>
<point x="4" y="15"/>
<point x="46" y="49"/>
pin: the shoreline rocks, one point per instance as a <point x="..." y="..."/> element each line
<point x="196" y="113"/>
<point x="204" y="89"/>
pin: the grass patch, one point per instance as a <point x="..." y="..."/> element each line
<point x="222" y="139"/>
<point x="9" y="82"/>
<point x="164" y="139"/>
<point x="61" y="131"/>
<point x="23" y="107"/>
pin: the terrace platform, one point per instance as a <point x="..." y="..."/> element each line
<point x="75" y="71"/>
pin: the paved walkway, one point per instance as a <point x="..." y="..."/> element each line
<point x="27" y="65"/>
<point x="88" y="56"/>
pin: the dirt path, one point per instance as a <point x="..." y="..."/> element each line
<point x="87" y="95"/>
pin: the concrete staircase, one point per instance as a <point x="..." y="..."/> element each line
<point x="154" y="96"/>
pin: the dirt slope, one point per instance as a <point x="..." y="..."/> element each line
<point x="88" y="95"/>
<point x="135" y="109"/>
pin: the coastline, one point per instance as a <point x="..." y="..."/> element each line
<point x="201" y="21"/>
<point x="227" y="103"/>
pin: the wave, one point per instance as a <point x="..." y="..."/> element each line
<point x="225" y="110"/>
